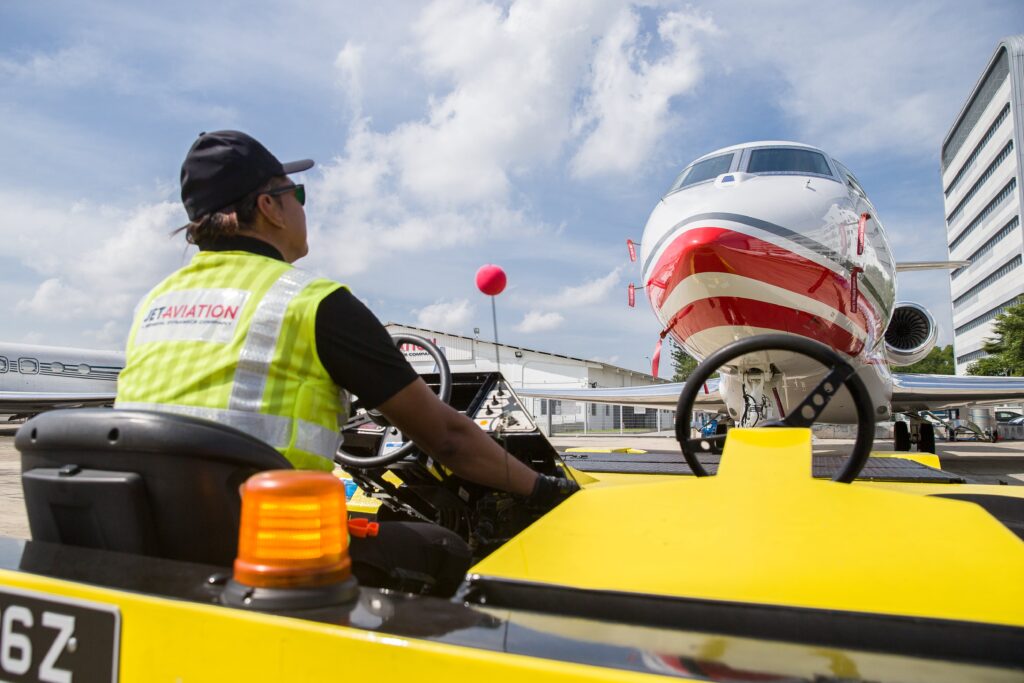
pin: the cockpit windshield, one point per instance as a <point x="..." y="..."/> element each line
<point x="788" y="160"/>
<point x="851" y="180"/>
<point x="709" y="169"/>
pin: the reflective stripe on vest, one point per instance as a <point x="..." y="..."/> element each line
<point x="261" y="340"/>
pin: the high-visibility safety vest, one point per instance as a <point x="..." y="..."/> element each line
<point x="231" y="337"/>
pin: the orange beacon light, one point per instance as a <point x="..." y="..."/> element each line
<point x="292" y="543"/>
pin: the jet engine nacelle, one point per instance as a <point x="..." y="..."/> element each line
<point x="911" y="333"/>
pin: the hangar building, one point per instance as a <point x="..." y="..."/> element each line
<point x="524" y="367"/>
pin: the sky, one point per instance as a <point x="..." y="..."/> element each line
<point x="535" y="135"/>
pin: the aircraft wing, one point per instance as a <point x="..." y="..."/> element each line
<point x="662" y="396"/>
<point x="31" y="402"/>
<point x="936" y="392"/>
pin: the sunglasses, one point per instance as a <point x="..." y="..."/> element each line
<point x="300" y="192"/>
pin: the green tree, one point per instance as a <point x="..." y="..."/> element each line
<point x="1006" y="349"/>
<point x="682" y="363"/>
<point x="939" y="361"/>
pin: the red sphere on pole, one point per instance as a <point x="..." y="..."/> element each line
<point x="491" y="280"/>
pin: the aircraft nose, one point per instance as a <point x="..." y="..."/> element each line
<point x="713" y="285"/>
<point x="698" y="251"/>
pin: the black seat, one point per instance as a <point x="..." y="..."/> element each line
<point x="138" y="481"/>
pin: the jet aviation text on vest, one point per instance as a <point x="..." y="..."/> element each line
<point x="194" y="311"/>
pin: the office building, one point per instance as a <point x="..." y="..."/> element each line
<point x="981" y="181"/>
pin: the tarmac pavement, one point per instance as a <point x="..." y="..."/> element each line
<point x="984" y="462"/>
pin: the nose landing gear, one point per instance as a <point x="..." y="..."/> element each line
<point x="917" y="432"/>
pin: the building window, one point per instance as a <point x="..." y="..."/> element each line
<point x="967" y="297"/>
<point x="1000" y="158"/>
<point x="969" y="357"/>
<point x="977" y="150"/>
<point x="543" y="406"/>
<point x="989" y="315"/>
<point x="989" y="85"/>
<point x="989" y="208"/>
<point x="987" y="247"/>
<point x="593" y="409"/>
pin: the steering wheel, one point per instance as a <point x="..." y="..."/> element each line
<point x="840" y="373"/>
<point x="361" y="417"/>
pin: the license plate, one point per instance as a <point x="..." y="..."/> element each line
<point x="57" y="640"/>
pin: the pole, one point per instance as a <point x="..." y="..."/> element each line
<point x="494" y="317"/>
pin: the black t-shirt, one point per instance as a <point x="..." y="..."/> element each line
<point x="354" y="347"/>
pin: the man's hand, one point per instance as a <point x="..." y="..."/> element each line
<point x="550" y="491"/>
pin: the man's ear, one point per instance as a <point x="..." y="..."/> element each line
<point x="270" y="208"/>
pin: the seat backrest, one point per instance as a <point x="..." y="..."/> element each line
<point x="138" y="481"/>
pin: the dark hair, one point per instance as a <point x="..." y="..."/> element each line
<point x="239" y="217"/>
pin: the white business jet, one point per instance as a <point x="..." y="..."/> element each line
<point x="37" y="378"/>
<point x="778" y="237"/>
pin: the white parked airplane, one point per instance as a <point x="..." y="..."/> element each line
<point x="36" y="378"/>
<point x="778" y="237"/>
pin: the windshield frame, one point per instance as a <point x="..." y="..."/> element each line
<point x="679" y="179"/>
<point x="748" y="152"/>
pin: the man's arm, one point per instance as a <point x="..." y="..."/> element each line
<point x="360" y="356"/>
<point x="454" y="440"/>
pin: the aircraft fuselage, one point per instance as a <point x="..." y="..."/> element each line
<point x="765" y="238"/>
<point x="35" y="378"/>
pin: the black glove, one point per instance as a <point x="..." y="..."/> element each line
<point x="549" y="491"/>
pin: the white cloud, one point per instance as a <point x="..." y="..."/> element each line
<point x="447" y="316"/>
<point x="596" y="291"/>
<point x="349" y="64"/>
<point x="139" y="249"/>
<point x="512" y="81"/>
<point x="627" y="108"/>
<point x="54" y="298"/>
<point x="71" y="67"/>
<point x="536" y="321"/>
<point x="892" y="83"/>
<point x="504" y="89"/>
<point x="94" y="262"/>
<point x="111" y="335"/>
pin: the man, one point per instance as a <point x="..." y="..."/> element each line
<point x="242" y="337"/>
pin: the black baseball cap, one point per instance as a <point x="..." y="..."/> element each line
<point x="224" y="166"/>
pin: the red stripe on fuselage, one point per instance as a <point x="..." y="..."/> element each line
<point x="722" y="250"/>
<point x="705" y="314"/>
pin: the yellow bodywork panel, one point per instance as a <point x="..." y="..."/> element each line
<point x="771" y="660"/>
<point x="169" y="640"/>
<point x="764" y="531"/>
<point x="634" y="451"/>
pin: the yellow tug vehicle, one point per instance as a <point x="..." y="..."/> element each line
<point x="746" y="559"/>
